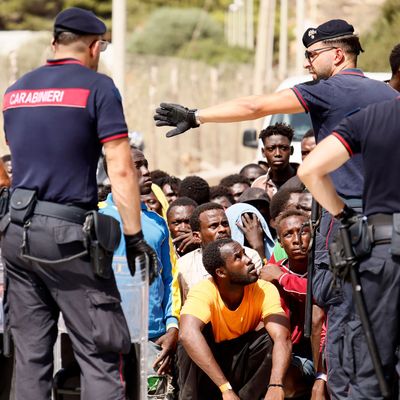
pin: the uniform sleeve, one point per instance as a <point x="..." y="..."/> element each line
<point x="199" y="302"/>
<point x="314" y="96"/>
<point x="271" y="301"/>
<point x="171" y="319"/>
<point x="294" y="285"/>
<point x="109" y="114"/>
<point x="349" y="132"/>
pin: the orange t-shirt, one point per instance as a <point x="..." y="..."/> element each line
<point x="204" y="302"/>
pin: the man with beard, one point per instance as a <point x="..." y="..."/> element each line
<point x="163" y="312"/>
<point x="208" y="223"/>
<point x="221" y="354"/>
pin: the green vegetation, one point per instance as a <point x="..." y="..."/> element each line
<point x="383" y="36"/>
<point x="187" y="33"/>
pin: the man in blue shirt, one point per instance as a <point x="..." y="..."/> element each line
<point x="163" y="314"/>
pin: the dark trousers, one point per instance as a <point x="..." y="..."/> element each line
<point x="350" y="370"/>
<point x="245" y="361"/>
<point x="38" y="291"/>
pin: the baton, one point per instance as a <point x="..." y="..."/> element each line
<point x="362" y="311"/>
<point x="310" y="270"/>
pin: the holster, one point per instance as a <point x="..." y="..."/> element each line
<point x="395" y="246"/>
<point x="22" y="205"/>
<point x="102" y="237"/>
<point x="361" y="238"/>
<point x="361" y="242"/>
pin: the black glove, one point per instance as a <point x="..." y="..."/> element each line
<point x="347" y="216"/>
<point x="169" y="114"/>
<point x="136" y="246"/>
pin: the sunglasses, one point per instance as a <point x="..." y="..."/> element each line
<point x="102" y="44"/>
<point x="311" y="54"/>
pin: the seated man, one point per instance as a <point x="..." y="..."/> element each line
<point x="208" y="223"/>
<point x="290" y="277"/>
<point x="178" y="219"/>
<point x="220" y="354"/>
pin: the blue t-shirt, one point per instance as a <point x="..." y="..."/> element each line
<point x="55" y="120"/>
<point x="329" y="101"/>
<point x="374" y="132"/>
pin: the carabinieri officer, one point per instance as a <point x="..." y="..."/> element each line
<point x="374" y="134"/>
<point x="56" y="120"/>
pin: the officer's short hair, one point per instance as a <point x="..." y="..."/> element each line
<point x="280" y="128"/>
<point x="349" y="44"/>
<point x="195" y="218"/>
<point x="66" y="38"/>
<point x="394" y="59"/>
<point x="212" y="257"/>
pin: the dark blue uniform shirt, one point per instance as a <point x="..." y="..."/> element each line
<point x="375" y="133"/>
<point x="55" y="120"/>
<point x="330" y="100"/>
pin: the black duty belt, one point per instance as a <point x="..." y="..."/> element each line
<point x="382" y="227"/>
<point x="67" y="213"/>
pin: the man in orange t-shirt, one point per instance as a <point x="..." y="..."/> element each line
<point x="221" y="355"/>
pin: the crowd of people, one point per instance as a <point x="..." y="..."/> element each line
<point x="227" y="265"/>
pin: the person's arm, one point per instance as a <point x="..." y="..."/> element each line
<point x="124" y="183"/>
<point x="252" y="107"/>
<point x="327" y="156"/>
<point x="292" y="284"/>
<point x="241" y="109"/>
<point x="196" y="346"/>
<point x="277" y="325"/>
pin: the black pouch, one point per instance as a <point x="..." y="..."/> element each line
<point x="361" y="238"/>
<point x="395" y="247"/>
<point x="22" y="204"/>
<point x="102" y="234"/>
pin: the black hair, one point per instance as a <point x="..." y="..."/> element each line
<point x="66" y="38"/>
<point x="181" y="201"/>
<point x="309" y="133"/>
<point x="157" y="175"/>
<point x="293" y="212"/>
<point x="212" y="258"/>
<point x="232" y="179"/>
<point x="103" y="191"/>
<point x="221" y="191"/>
<point x="349" y="44"/>
<point x="248" y="166"/>
<point x="6" y="157"/>
<point x="394" y="59"/>
<point x="196" y="188"/>
<point x="280" y="128"/>
<point x="173" y="181"/>
<point x="195" y="218"/>
<point x="280" y="199"/>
